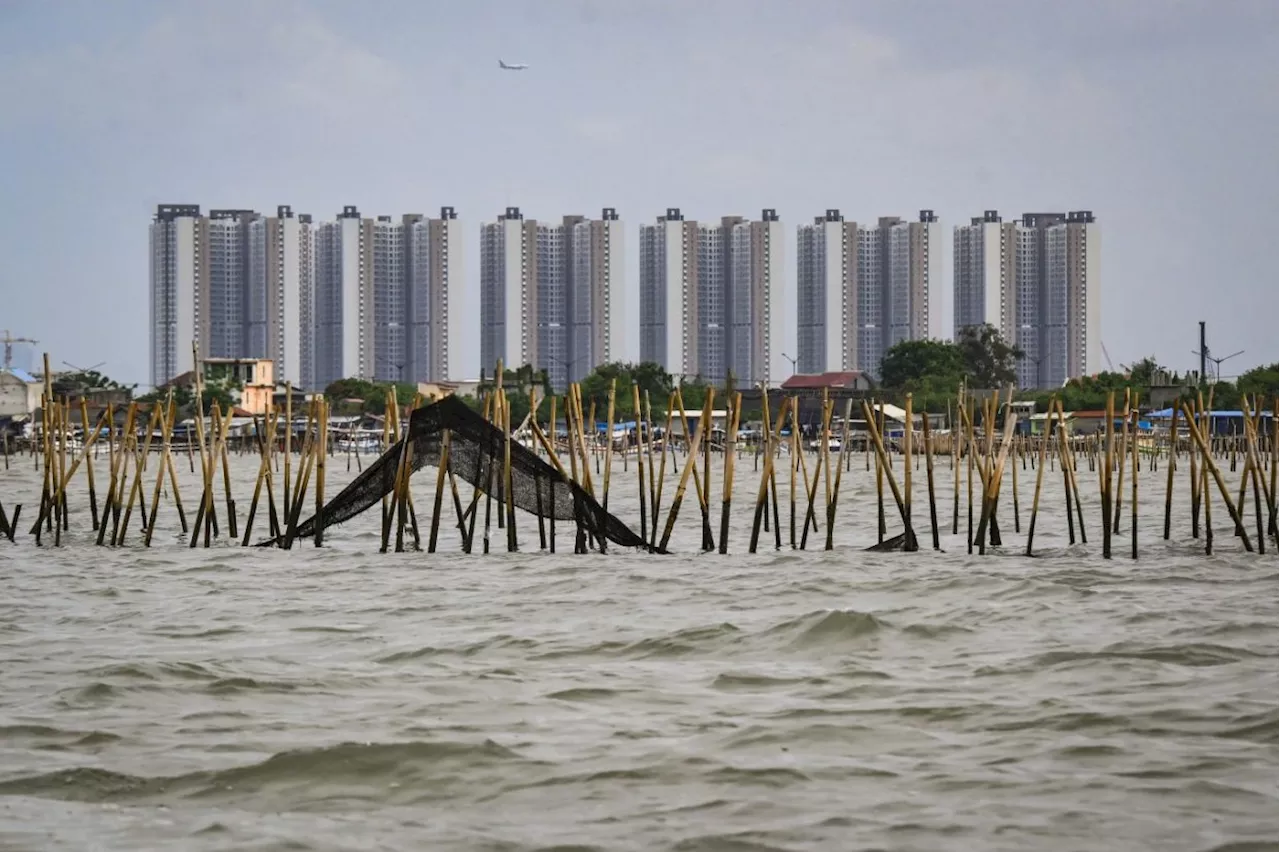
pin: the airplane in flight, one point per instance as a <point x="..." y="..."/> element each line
<point x="512" y="67"/>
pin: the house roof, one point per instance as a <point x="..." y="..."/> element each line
<point x="833" y="379"/>
<point x="21" y="374"/>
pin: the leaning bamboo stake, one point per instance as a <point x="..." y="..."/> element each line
<point x="1205" y="452"/>
<point x="264" y="471"/>
<point x="322" y="447"/>
<point x="166" y="427"/>
<point x="703" y="487"/>
<point x="674" y="399"/>
<point x="440" y="486"/>
<point x="928" y="470"/>
<point x="226" y="474"/>
<point x="1273" y="529"/>
<point x="882" y="528"/>
<point x="812" y="486"/>
<point x="991" y="487"/>
<point x="691" y="458"/>
<point x="286" y="496"/>
<point x="136" y="490"/>
<point x="116" y="458"/>
<point x="910" y="534"/>
<point x="908" y="428"/>
<point x="88" y="467"/>
<point x="508" y="483"/>
<point x="655" y="484"/>
<point x="840" y="466"/>
<point x="766" y="475"/>
<point x="641" y="437"/>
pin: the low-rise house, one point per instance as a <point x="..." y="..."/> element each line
<point x="19" y="393"/>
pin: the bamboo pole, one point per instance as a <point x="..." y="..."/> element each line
<point x="508" y="483"/>
<point x="991" y="487"/>
<point x="840" y="466"/>
<point x="264" y="470"/>
<point x="641" y="438"/>
<point x="1035" y="499"/>
<point x="795" y="456"/>
<point x="286" y="501"/>
<point x="691" y="459"/>
<point x="910" y="543"/>
<point x="87" y="444"/>
<point x="166" y="428"/>
<point x="908" y="428"/>
<point x="135" y="491"/>
<point x="766" y="475"/>
<point x="440" y="486"/>
<point x="674" y="399"/>
<point x="608" y="443"/>
<point x="928" y="469"/>
<point x="1133" y="484"/>
<point x="1168" y="493"/>
<point x="1201" y="444"/>
<point x="322" y="450"/>
<point x="811" y="487"/>
<point x="730" y="454"/>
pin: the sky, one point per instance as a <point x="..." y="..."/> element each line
<point x="1160" y="117"/>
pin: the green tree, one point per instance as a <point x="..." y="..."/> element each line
<point x="988" y="359"/>
<point x="1261" y="381"/>
<point x="221" y="392"/>
<point x="651" y="378"/>
<point x="356" y="396"/>
<point x="1142" y="373"/>
<point x="75" y="383"/>
<point x="910" y="364"/>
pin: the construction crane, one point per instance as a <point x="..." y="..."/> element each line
<point x="1107" y="355"/>
<point x="8" y="347"/>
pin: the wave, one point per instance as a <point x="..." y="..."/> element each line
<point x="355" y="766"/>
<point x="831" y="628"/>
<point x="1194" y="654"/>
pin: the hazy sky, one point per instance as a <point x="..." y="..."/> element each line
<point x="1158" y="115"/>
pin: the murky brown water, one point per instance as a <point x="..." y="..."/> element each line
<point x="340" y="699"/>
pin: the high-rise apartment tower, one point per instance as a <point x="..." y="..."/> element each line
<point x="1036" y="280"/>
<point x="715" y="299"/>
<point x="554" y="296"/>
<point x="861" y="289"/>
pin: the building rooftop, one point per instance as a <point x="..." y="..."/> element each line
<point x="21" y="374"/>
<point x="834" y="379"/>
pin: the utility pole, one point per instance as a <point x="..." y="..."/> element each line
<point x="9" y="340"/>
<point x="1204" y="354"/>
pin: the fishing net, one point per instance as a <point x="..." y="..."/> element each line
<point x="476" y="453"/>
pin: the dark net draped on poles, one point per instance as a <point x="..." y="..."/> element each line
<point x="475" y="445"/>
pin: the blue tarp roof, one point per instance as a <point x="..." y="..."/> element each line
<point x="24" y="375"/>
<point x="1224" y="414"/>
<point x="604" y="427"/>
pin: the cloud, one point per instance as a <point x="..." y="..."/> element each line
<point x="601" y="129"/>
<point x="198" y="64"/>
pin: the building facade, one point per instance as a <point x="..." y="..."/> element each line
<point x="351" y="298"/>
<point x="714" y="300"/>
<point x="177" y="262"/>
<point x="554" y="296"/>
<point x="861" y="289"/>
<point x="1036" y="280"/>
